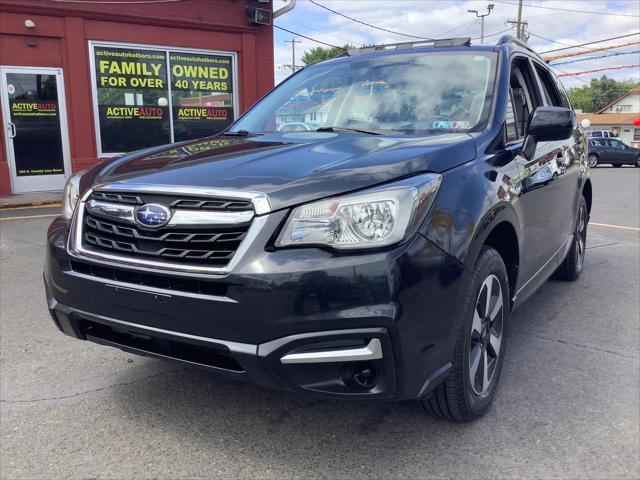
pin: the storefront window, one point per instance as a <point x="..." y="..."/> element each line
<point x="132" y="92"/>
<point x="201" y="94"/>
<point x="153" y="96"/>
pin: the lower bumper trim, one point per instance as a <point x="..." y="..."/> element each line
<point x="373" y="351"/>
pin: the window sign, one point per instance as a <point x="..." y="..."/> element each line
<point x="148" y="96"/>
<point x="201" y="94"/>
<point x="132" y="96"/>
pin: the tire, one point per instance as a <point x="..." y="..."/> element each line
<point x="637" y="164"/>
<point x="571" y="268"/>
<point x="482" y="339"/>
<point x="593" y="160"/>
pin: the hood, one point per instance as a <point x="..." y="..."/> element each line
<point x="290" y="168"/>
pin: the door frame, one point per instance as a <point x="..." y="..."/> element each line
<point x="6" y="118"/>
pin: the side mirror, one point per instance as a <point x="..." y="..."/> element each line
<point x="547" y="124"/>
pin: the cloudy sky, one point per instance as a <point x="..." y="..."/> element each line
<point x="563" y="21"/>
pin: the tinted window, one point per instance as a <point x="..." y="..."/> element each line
<point x="511" y="124"/>
<point x="549" y="89"/>
<point x="524" y="93"/>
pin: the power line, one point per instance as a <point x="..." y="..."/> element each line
<point x="621" y="67"/>
<point x="575" y="78"/>
<point x="615" y="54"/>
<point x="582" y="44"/>
<point x="308" y="38"/>
<point x="569" y="10"/>
<point x="494" y="34"/>
<point x="554" y="41"/>
<point x="591" y="50"/>
<point x="351" y="42"/>
<point x="368" y="24"/>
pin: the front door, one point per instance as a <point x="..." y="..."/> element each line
<point x="35" y="121"/>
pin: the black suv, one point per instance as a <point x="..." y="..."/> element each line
<point x="364" y="231"/>
<point x="612" y="151"/>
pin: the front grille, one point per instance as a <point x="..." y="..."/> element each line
<point x="179" y="284"/>
<point x="184" y="245"/>
<point x="177" y="202"/>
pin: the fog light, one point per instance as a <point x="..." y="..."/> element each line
<point x="364" y="375"/>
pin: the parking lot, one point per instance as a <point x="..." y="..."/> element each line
<point x="568" y="405"/>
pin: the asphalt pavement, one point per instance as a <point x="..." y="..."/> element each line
<point x="568" y="405"/>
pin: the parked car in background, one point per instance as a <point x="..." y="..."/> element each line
<point x="612" y="151"/>
<point x="602" y="134"/>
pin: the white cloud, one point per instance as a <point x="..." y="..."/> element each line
<point x="437" y="17"/>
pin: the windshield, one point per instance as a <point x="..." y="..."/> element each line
<point x="402" y="93"/>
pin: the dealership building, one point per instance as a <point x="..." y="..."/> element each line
<point x="82" y="80"/>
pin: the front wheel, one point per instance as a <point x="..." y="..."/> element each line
<point x="480" y="345"/>
<point x="638" y="162"/>
<point x="593" y="160"/>
<point x="571" y="268"/>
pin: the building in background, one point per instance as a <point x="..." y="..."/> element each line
<point x="80" y="81"/>
<point x="621" y="117"/>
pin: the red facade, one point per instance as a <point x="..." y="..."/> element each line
<point x="63" y="31"/>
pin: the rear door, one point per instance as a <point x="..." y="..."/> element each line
<point x="566" y="186"/>
<point x="620" y="152"/>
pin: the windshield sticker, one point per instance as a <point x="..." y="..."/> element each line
<point x="450" y="124"/>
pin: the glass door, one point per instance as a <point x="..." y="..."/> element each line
<point x="34" y="118"/>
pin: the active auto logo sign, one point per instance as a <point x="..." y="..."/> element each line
<point x="153" y="215"/>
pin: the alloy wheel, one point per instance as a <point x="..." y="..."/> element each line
<point x="581" y="237"/>
<point x="486" y="335"/>
<point x="593" y="160"/>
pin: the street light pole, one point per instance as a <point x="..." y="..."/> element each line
<point x="489" y="8"/>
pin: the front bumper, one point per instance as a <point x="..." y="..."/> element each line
<point x="275" y="317"/>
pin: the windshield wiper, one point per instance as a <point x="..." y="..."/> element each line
<point x="345" y="129"/>
<point x="239" y="133"/>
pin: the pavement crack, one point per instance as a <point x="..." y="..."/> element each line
<point x="579" y="345"/>
<point x="99" y="389"/>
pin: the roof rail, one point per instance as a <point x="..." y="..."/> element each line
<point x="440" y="42"/>
<point x="511" y="39"/>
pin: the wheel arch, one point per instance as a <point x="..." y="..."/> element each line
<point x="499" y="230"/>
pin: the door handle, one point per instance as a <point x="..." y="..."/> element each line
<point x="12" y="130"/>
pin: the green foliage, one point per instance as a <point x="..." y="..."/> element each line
<point x="320" y="54"/>
<point x="599" y="93"/>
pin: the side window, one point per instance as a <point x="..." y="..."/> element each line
<point x="511" y="123"/>
<point x="524" y="96"/>
<point x="549" y="89"/>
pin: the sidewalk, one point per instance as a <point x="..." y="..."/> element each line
<point x="31" y="199"/>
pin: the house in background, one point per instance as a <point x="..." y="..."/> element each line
<point x="618" y="117"/>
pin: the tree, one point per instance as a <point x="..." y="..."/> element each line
<point x="320" y="54"/>
<point x="599" y="93"/>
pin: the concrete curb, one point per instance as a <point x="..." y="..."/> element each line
<point x="8" y="206"/>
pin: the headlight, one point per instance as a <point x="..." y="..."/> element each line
<point x="373" y="218"/>
<point x="71" y="195"/>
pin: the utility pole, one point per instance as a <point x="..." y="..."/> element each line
<point x="521" y="28"/>
<point x="519" y="32"/>
<point x="293" y="42"/>
<point x="489" y="8"/>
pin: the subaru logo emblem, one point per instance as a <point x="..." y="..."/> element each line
<point x="153" y="215"/>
